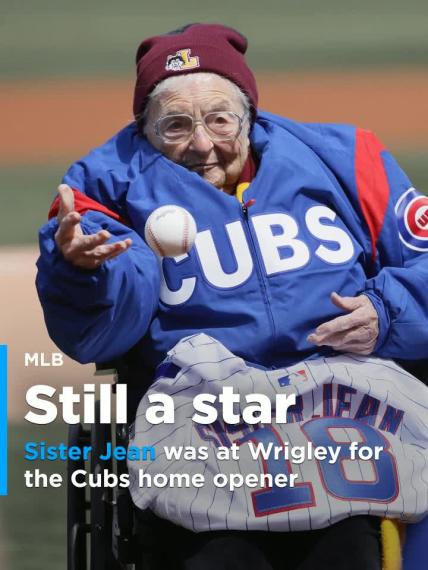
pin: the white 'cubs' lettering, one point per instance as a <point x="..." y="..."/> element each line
<point x="270" y="242"/>
<point x="210" y="260"/>
<point x="280" y="247"/>
<point x="182" y="294"/>
<point x="329" y="233"/>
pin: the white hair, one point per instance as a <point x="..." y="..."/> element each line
<point x="176" y="83"/>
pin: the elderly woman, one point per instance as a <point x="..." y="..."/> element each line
<point x="311" y="241"/>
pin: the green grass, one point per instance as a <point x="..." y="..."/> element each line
<point x="59" y="38"/>
<point x="26" y="194"/>
<point x="416" y="166"/>
<point x="34" y="520"/>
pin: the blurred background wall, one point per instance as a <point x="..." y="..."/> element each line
<point x="66" y="79"/>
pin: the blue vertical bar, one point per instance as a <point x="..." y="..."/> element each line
<point x="3" y="419"/>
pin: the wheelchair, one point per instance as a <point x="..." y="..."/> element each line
<point x="104" y="529"/>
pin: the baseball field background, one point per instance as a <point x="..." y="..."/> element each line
<point x="66" y="79"/>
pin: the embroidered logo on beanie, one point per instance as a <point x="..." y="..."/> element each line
<point x="181" y="61"/>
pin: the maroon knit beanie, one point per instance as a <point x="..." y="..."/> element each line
<point x="194" y="48"/>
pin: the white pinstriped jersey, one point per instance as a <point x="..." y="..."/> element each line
<point x="339" y="399"/>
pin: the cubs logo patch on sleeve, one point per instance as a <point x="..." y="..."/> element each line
<point x="412" y="215"/>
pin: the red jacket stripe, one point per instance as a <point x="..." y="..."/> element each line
<point x="372" y="183"/>
<point x="83" y="204"/>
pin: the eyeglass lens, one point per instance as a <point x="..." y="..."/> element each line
<point x="220" y="125"/>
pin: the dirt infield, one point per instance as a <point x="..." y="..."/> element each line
<point x="23" y="330"/>
<point x="58" y="120"/>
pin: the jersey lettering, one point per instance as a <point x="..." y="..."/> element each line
<point x="381" y="486"/>
<point x="277" y="499"/>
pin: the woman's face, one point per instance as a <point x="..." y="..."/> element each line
<point x="218" y="162"/>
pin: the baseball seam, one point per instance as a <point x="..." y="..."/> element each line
<point x="156" y="242"/>
<point x="186" y="232"/>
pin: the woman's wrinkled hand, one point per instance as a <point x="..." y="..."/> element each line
<point x="84" y="251"/>
<point x="355" y="332"/>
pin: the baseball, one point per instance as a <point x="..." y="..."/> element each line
<point x="170" y="231"/>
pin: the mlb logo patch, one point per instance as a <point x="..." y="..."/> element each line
<point x="299" y="375"/>
<point x="412" y="216"/>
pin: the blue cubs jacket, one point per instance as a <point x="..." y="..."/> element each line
<point x="330" y="211"/>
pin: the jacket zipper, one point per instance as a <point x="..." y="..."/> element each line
<point x="259" y="269"/>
